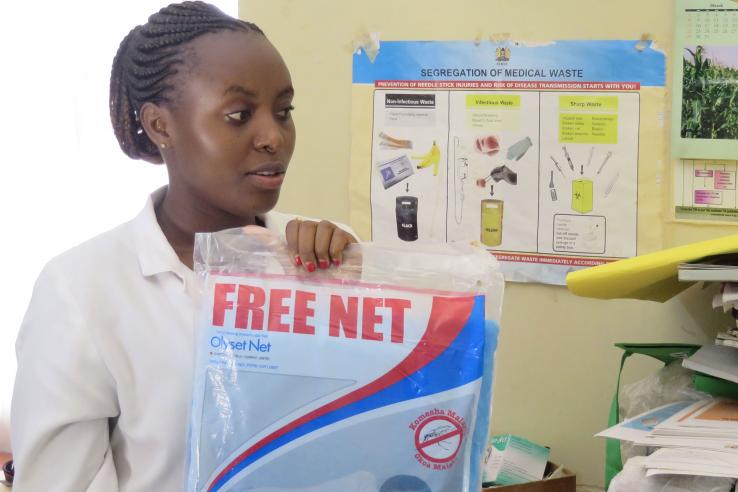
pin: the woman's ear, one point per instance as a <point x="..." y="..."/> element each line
<point x="154" y="121"/>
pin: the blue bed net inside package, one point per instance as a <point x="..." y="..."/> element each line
<point x="372" y="377"/>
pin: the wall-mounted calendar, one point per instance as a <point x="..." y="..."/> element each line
<point x="705" y="98"/>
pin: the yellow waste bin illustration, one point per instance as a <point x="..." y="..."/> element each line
<point x="581" y="195"/>
<point x="492" y="222"/>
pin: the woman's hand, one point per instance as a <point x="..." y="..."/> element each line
<point x="316" y="244"/>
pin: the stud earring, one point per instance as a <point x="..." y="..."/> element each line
<point x="163" y="145"/>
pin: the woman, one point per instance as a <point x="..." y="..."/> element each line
<point x="105" y="352"/>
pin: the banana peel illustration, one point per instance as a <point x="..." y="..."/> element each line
<point x="432" y="158"/>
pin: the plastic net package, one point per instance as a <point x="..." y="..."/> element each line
<point x="375" y="376"/>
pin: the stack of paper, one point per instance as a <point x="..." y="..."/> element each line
<point x="709" y="272"/>
<point x="728" y="338"/>
<point x="715" y="360"/>
<point x="727" y="298"/>
<point x="694" y="438"/>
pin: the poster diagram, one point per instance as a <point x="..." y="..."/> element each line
<point x="521" y="172"/>
<point x="706" y="190"/>
<point x="544" y="174"/>
<point x="705" y="116"/>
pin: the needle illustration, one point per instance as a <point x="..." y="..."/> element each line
<point x="568" y="158"/>
<point x="607" y="158"/>
<point x="558" y="167"/>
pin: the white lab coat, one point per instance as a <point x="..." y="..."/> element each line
<point x="105" y="360"/>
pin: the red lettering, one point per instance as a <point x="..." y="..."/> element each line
<point x="303" y="312"/>
<point x="277" y="309"/>
<point x="250" y="300"/>
<point x="398" y="306"/>
<point x="370" y="319"/>
<point x="342" y="315"/>
<point x="221" y="302"/>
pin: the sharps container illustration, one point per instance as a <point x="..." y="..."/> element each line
<point x="492" y="222"/>
<point x="581" y="195"/>
<point x="406" y="213"/>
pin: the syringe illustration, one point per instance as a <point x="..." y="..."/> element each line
<point x="568" y="158"/>
<point x="552" y="187"/>
<point x="591" y="153"/>
<point x="611" y="184"/>
<point x="558" y="167"/>
<point x="607" y="158"/>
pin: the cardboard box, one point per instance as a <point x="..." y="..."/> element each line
<point x="567" y="483"/>
<point x="513" y="459"/>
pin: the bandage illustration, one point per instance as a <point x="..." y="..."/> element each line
<point x="432" y="158"/>
<point x="389" y="142"/>
<point x="492" y="222"/>
<point x="518" y="149"/>
<point x="581" y="195"/>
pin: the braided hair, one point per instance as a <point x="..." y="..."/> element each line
<point x="148" y="58"/>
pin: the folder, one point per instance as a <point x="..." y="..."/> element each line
<point x="650" y="277"/>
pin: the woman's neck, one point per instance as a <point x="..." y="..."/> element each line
<point x="181" y="219"/>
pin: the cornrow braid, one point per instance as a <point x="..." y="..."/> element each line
<point x="146" y="60"/>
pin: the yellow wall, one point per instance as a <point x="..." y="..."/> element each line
<point x="556" y="365"/>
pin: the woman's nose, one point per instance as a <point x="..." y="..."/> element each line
<point x="269" y="135"/>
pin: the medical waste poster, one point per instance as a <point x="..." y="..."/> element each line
<point x="530" y="150"/>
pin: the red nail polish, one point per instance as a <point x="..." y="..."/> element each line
<point x="310" y="266"/>
<point x="337" y="262"/>
<point x="298" y="260"/>
<point x="323" y="264"/>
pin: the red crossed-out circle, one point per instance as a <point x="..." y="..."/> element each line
<point x="438" y="439"/>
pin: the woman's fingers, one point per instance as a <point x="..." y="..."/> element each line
<point x="315" y="245"/>
<point x="291" y="234"/>
<point x="323" y="239"/>
<point x="339" y="240"/>
<point x="306" y="244"/>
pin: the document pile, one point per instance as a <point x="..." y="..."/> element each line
<point x="727" y="299"/>
<point x="690" y="438"/>
<point x="717" y="268"/>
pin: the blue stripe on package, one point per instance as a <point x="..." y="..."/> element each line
<point x="372" y="377"/>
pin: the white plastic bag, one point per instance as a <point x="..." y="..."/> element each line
<point x="365" y="377"/>
<point x="670" y="384"/>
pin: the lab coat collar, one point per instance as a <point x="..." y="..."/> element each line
<point x="155" y="254"/>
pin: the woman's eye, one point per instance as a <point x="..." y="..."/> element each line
<point x="239" y="116"/>
<point x="286" y="112"/>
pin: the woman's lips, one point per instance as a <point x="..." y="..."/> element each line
<point x="267" y="176"/>
<point x="272" y="181"/>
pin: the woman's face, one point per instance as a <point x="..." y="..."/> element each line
<point x="230" y="129"/>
